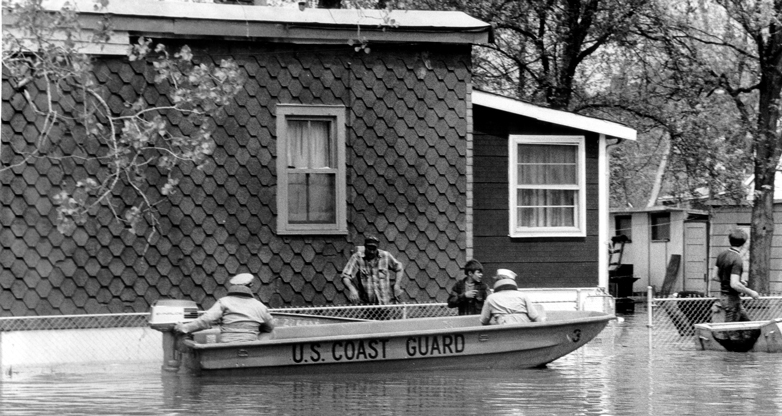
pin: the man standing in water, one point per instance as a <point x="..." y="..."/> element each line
<point x="367" y="275"/>
<point x="728" y="271"/>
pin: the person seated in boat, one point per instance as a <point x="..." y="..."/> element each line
<point x="507" y="304"/>
<point x="240" y="316"/>
<point x="728" y="270"/>
<point x="469" y="292"/>
<point x="368" y="275"/>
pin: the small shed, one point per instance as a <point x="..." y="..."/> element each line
<point x="668" y="248"/>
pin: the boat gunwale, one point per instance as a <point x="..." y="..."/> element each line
<point x="592" y="319"/>
<point x="736" y="326"/>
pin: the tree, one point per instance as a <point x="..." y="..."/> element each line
<point x="120" y="152"/>
<point x="730" y="52"/>
<point x="540" y="45"/>
<point x="757" y="45"/>
<point x="680" y="119"/>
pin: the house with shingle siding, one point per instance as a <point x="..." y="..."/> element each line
<point x="410" y="155"/>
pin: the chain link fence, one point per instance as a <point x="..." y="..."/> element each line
<point x="70" y="322"/>
<point x="55" y="341"/>
<point x="672" y="320"/>
<point x="398" y="311"/>
<point x="52" y="341"/>
<point x="134" y="320"/>
<point x="59" y="341"/>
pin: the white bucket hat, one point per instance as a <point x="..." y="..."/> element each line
<point x="242" y="279"/>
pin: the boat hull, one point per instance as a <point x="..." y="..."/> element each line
<point x="403" y="345"/>
<point x="755" y="336"/>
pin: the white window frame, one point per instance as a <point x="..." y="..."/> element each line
<point x="335" y="113"/>
<point x="579" y="230"/>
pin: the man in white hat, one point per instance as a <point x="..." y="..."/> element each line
<point x="507" y="305"/>
<point x="239" y="314"/>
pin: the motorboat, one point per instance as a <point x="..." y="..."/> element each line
<point x="765" y="336"/>
<point x="451" y="342"/>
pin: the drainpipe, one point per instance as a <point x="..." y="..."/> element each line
<point x="603" y="208"/>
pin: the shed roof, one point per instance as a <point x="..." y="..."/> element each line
<point x="657" y="209"/>
<point x="563" y="118"/>
<point x="203" y="20"/>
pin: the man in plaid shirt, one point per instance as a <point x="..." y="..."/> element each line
<point x="368" y="275"/>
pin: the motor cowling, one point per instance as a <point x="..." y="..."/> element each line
<point x="165" y="313"/>
<point x="163" y="316"/>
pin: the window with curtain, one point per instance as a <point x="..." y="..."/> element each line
<point x="311" y="169"/>
<point x="547" y="187"/>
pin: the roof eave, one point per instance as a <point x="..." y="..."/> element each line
<point x="549" y="115"/>
<point x="208" y="20"/>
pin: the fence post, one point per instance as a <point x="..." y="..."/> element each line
<point x="649" y="311"/>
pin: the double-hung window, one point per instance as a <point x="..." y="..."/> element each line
<point x="311" y="169"/>
<point x="547" y="186"/>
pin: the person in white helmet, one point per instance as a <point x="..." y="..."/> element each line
<point x="240" y="316"/>
<point x="507" y="305"/>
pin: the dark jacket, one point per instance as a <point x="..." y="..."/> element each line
<point x="467" y="306"/>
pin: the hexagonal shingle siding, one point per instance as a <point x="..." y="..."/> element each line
<point x="406" y="143"/>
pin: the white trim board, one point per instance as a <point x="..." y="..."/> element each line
<point x="549" y="115"/>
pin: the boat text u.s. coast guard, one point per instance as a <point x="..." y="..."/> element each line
<point x="377" y="349"/>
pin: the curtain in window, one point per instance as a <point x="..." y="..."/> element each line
<point x="311" y="178"/>
<point x="543" y="170"/>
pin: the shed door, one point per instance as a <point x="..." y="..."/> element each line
<point x="696" y="256"/>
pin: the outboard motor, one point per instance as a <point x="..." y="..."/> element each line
<point x="163" y="316"/>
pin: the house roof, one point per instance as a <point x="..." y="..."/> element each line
<point x="563" y="118"/>
<point x="203" y="20"/>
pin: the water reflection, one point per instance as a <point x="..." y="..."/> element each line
<point x="617" y="376"/>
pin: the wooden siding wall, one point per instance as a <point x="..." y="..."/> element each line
<point x="406" y="183"/>
<point x="540" y="262"/>
<point x="725" y="219"/>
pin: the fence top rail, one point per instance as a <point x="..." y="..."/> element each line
<point x="91" y="315"/>
<point x="284" y="309"/>
<point x="338" y="307"/>
<point x="688" y="299"/>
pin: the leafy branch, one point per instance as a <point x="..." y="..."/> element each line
<point x="44" y="48"/>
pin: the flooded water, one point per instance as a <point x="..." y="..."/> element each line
<point x="619" y="375"/>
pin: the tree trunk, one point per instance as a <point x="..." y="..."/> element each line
<point x="767" y="156"/>
<point x="658" y="179"/>
<point x="762" y="234"/>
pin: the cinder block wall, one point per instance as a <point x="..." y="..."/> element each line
<point x="406" y="146"/>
